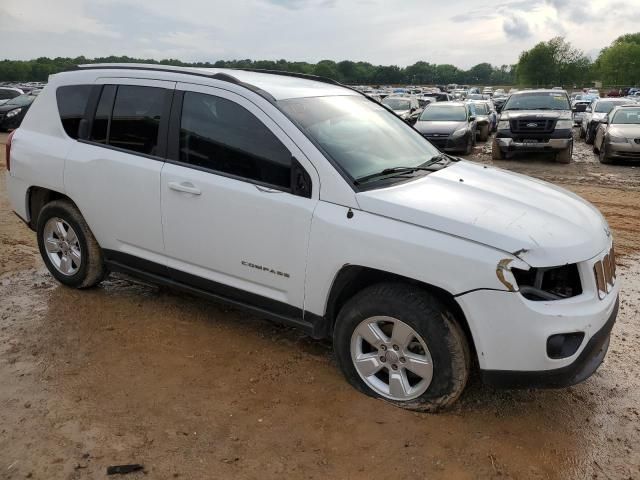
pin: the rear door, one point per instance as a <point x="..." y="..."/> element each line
<point x="232" y="224"/>
<point x="114" y="173"/>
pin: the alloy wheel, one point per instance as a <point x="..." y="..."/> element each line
<point x="391" y="358"/>
<point x="62" y="246"/>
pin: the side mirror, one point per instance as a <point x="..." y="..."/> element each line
<point x="413" y="109"/>
<point x="472" y="118"/>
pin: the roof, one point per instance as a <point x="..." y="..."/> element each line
<point x="280" y="85"/>
<point x="539" y="90"/>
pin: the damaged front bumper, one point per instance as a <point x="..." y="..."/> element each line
<point x="516" y="345"/>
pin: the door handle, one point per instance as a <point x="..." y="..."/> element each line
<point x="186" y="187"/>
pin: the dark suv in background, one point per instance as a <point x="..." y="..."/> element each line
<point x="535" y="121"/>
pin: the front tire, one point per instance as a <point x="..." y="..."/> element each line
<point x="398" y="342"/>
<point x="68" y="248"/>
<point x="564" y="156"/>
<point x="602" y="155"/>
<point x="496" y="153"/>
<point x="484" y="133"/>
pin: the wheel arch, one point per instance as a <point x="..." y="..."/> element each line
<point x="37" y="198"/>
<point x="352" y="279"/>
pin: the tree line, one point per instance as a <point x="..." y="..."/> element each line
<point x="552" y="63"/>
<point x="556" y="62"/>
<point x="345" y="71"/>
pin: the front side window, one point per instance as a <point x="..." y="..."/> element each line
<point x="362" y="137"/>
<point x="72" y="102"/>
<point x="218" y="134"/>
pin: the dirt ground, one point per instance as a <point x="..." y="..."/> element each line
<point x="128" y="373"/>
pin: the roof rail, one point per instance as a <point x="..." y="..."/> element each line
<point x="285" y="73"/>
<point x="225" y="77"/>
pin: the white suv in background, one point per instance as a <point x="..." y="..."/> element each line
<point x="311" y="204"/>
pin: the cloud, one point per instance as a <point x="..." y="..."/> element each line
<point x="391" y="32"/>
<point x="516" y="27"/>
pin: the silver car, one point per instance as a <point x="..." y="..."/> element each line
<point x="618" y="137"/>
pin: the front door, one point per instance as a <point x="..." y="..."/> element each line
<point x="231" y="222"/>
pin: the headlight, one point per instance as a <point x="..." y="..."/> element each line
<point x="562" y="124"/>
<point x="13" y="113"/>
<point x="615" y="139"/>
<point x="503" y="125"/>
<point x="460" y="132"/>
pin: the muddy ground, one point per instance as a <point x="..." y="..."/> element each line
<point x="128" y="373"/>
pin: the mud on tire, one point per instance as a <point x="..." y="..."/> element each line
<point x="91" y="270"/>
<point x="430" y="319"/>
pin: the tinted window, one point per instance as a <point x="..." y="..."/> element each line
<point x="72" y="101"/>
<point x="136" y="118"/>
<point x="100" y="128"/>
<point x="538" y="101"/>
<point x="444" y="113"/>
<point x="221" y="135"/>
<point x="5" y="94"/>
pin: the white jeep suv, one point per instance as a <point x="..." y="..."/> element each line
<point x="310" y="204"/>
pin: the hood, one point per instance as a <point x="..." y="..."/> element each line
<point x="438" y="127"/>
<point x="402" y="113"/>
<point x="627" y="131"/>
<point x="539" y="114"/>
<point x="598" y="115"/>
<point x="540" y="223"/>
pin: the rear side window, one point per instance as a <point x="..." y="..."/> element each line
<point x="135" y="120"/>
<point x="220" y="135"/>
<point x="72" y="102"/>
<point x="128" y="117"/>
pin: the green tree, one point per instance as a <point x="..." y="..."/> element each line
<point x="619" y="64"/>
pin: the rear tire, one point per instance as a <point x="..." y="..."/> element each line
<point x="564" y="156"/>
<point x="398" y="342"/>
<point x="496" y="153"/>
<point x="68" y="248"/>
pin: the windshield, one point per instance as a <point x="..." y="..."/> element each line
<point x="444" y="113"/>
<point x="538" y="101"/>
<point x="627" y="116"/>
<point x="359" y="135"/>
<point x="397" y="103"/>
<point x="481" y="108"/>
<point x="22" y="100"/>
<point x="606" y="107"/>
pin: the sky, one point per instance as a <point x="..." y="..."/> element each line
<point x="385" y="32"/>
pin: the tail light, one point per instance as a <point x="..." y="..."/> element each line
<point x="8" y="150"/>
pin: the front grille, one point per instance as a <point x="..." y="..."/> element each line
<point x="605" y="273"/>
<point x="440" y="142"/>
<point x="532" y="125"/>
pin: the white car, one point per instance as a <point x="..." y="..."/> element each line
<point x="310" y="204"/>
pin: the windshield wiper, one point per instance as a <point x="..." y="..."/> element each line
<point x="395" y="171"/>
